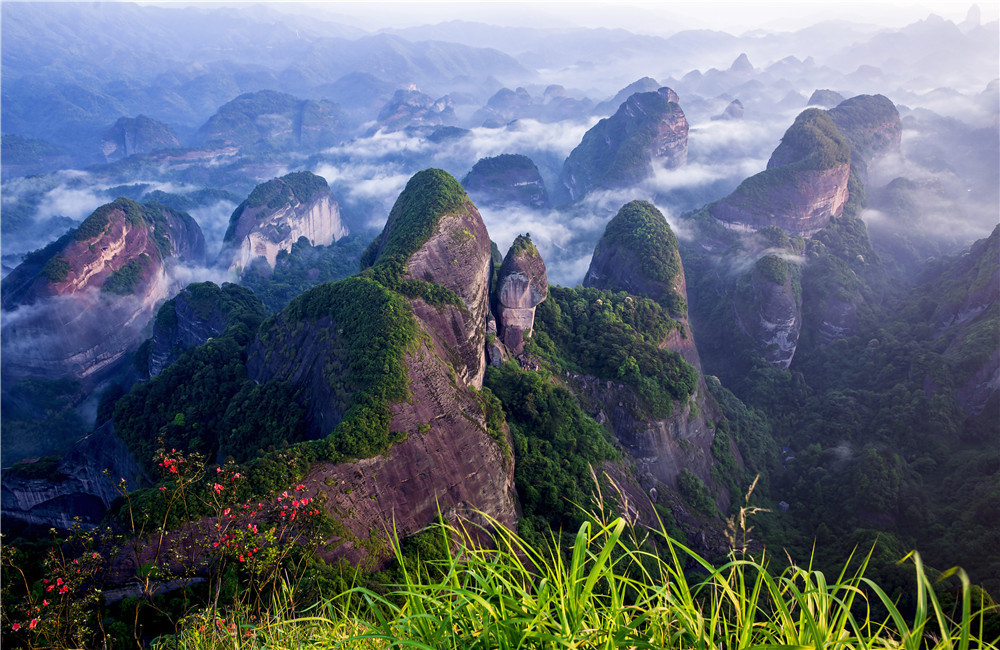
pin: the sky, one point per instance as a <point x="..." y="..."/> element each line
<point x="654" y="17"/>
<point x="651" y="17"/>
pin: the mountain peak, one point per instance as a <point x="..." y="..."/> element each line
<point x="742" y="64"/>
<point x="638" y="254"/>
<point x="428" y="195"/>
<point x="619" y="151"/>
<point x="276" y="214"/>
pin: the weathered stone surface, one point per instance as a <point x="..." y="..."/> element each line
<point x="137" y="135"/>
<point x="507" y="179"/>
<point x="39" y="306"/>
<point x="446" y="462"/>
<point x="263" y="230"/>
<point x="521" y="285"/>
<point x="770" y="313"/>
<point x="803" y="187"/>
<point x="802" y="207"/>
<point x="658" y="449"/>
<point x="84" y="483"/>
<point x="620" y="150"/>
<point x="457" y="256"/>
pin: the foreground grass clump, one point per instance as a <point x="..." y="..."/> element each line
<point x="613" y="587"/>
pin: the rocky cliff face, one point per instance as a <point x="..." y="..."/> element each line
<point x="871" y="125"/>
<point x="271" y="120"/>
<point x="638" y="254"/>
<point x="137" y="135"/>
<point x="275" y="215"/>
<point x="969" y="294"/>
<point x="804" y="185"/>
<point x="414" y="108"/>
<point x="447" y="460"/>
<point x="507" y="179"/>
<point x="436" y="232"/>
<point x="196" y="314"/>
<point x="102" y="282"/>
<point x="81" y="484"/>
<point x="521" y="285"/>
<point x="768" y="310"/>
<point x="659" y="449"/>
<point x="435" y="252"/>
<point x="620" y="150"/>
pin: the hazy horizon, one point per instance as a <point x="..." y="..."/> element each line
<point x="641" y="17"/>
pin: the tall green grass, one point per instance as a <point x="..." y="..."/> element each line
<point x="614" y="586"/>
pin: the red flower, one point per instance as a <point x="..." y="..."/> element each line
<point x="15" y="627"/>
<point x="33" y="623"/>
<point x="173" y="469"/>
<point x="217" y="488"/>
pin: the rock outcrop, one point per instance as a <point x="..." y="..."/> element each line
<point x="275" y="215"/>
<point x="734" y="111"/>
<point x="409" y="108"/>
<point x="83" y="483"/>
<point x="803" y="187"/>
<point x="872" y="127"/>
<point x="505" y="106"/>
<point x="644" y="85"/>
<point x="101" y="282"/>
<point x="521" y="285"/>
<point x="823" y="97"/>
<point x="424" y="295"/>
<point x="742" y="65"/>
<point x="768" y="310"/>
<point x="196" y="314"/>
<point x="638" y="254"/>
<point x="620" y="150"/>
<point x="437" y="234"/>
<point x="507" y="179"/>
<point x="136" y="135"/>
<point x="267" y="120"/>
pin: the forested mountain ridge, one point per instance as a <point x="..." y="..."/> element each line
<point x="268" y="349"/>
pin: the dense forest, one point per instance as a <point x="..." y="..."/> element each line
<point x="271" y="380"/>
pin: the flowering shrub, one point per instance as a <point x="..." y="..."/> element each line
<point x="198" y="533"/>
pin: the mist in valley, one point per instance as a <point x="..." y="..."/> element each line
<point x="447" y="85"/>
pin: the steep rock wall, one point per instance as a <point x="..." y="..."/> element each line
<point x="521" y="285"/>
<point x="264" y="230"/>
<point x="101" y="284"/>
<point x="83" y="484"/>
<point x="620" y="150"/>
<point x="457" y="257"/>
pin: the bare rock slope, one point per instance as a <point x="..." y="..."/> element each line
<point x="275" y="215"/>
